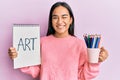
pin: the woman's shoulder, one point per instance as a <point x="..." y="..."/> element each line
<point x="44" y="38"/>
<point x="78" y="39"/>
<point x="80" y="42"/>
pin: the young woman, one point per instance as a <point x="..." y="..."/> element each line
<point x="64" y="56"/>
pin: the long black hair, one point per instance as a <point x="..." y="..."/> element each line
<point x="50" y="27"/>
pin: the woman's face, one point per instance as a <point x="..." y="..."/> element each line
<point x="61" y="21"/>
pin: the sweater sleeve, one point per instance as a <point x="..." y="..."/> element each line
<point x="86" y="70"/>
<point x="34" y="71"/>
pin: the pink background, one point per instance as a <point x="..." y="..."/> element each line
<point x="91" y="16"/>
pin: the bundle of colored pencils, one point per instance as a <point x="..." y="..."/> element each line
<point x="92" y="41"/>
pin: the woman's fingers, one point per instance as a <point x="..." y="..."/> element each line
<point x="103" y="54"/>
<point x="12" y="52"/>
<point x="102" y="57"/>
<point x="13" y="55"/>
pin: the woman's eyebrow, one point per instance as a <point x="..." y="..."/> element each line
<point x="54" y="15"/>
<point x="62" y="15"/>
<point x="65" y="15"/>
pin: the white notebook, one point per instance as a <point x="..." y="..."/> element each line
<point x="26" y="40"/>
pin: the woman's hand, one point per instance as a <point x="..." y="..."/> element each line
<point x="103" y="54"/>
<point x="12" y="53"/>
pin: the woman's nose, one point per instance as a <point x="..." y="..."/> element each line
<point x="60" y="20"/>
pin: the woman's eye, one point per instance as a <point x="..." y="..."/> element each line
<point x="64" y="17"/>
<point x="54" y="17"/>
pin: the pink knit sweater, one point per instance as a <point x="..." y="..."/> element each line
<point x="63" y="59"/>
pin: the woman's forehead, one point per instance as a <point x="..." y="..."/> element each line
<point x="60" y="10"/>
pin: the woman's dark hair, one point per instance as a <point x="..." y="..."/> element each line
<point x="50" y="27"/>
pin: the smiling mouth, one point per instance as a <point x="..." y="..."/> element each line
<point x="60" y="27"/>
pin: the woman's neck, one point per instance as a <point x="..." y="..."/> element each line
<point x="61" y="35"/>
